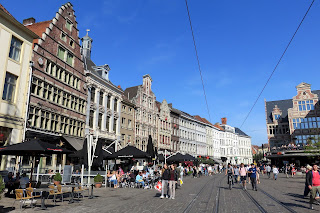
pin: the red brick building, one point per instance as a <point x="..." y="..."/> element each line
<point x="58" y="97"/>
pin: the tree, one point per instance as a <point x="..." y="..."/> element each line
<point x="258" y="157"/>
<point x="313" y="143"/>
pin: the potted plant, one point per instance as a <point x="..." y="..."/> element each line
<point x="2" y="186"/>
<point x="98" y="180"/>
<point x="57" y="178"/>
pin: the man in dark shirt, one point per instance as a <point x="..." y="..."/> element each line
<point x="9" y="183"/>
<point x="253" y="176"/>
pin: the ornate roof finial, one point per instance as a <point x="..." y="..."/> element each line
<point x="87" y="31"/>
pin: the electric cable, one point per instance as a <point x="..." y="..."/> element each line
<point x="196" y="51"/>
<point x="277" y="64"/>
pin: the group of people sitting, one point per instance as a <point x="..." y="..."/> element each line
<point x="15" y="182"/>
<point x="289" y="147"/>
<point x="119" y="178"/>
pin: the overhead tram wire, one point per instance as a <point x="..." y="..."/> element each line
<point x="284" y="52"/>
<point x="196" y="51"/>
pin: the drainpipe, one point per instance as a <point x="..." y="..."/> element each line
<point x="28" y="101"/>
<point x="26" y="113"/>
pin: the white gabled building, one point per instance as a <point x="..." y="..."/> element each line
<point x="231" y="150"/>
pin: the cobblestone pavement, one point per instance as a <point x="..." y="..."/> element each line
<point x="205" y="194"/>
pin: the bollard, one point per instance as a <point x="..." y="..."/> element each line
<point x="38" y="171"/>
<point x="82" y="171"/>
<point x="91" y="196"/>
<point x="106" y="178"/>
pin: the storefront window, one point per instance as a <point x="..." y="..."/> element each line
<point x="4" y="135"/>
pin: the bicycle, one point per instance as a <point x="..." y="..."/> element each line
<point x="230" y="181"/>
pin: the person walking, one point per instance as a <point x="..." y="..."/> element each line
<point x="236" y="173"/>
<point x="253" y="176"/>
<point x="268" y="169"/>
<point x="173" y="177"/>
<point x="165" y="181"/>
<point x="306" y="188"/>
<point x="195" y="172"/>
<point x="243" y="175"/>
<point x="313" y="181"/>
<point x="275" y="172"/>
<point x="181" y="172"/>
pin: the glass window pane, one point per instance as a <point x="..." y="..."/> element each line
<point x="61" y="53"/>
<point x="69" y="59"/>
<point x="15" y="48"/>
<point x="9" y="87"/>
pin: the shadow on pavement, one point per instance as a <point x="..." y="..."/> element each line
<point x="157" y="195"/>
<point x="295" y="195"/>
<point x="6" y="209"/>
<point x="294" y="205"/>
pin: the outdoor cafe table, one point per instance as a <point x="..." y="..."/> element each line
<point x="43" y="192"/>
<point x="72" y="191"/>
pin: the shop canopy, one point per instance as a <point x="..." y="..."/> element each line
<point x="130" y="152"/>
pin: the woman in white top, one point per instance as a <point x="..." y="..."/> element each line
<point x="113" y="179"/>
<point x="275" y="172"/>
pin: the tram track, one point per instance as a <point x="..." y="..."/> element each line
<point x="216" y="209"/>
<point x="278" y="201"/>
<point x="262" y="210"/>
<point x="205" y="186"/>
<point x="260" y="207"/>
<point x="191" y="204"/>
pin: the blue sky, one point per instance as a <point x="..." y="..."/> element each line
<point x="239" y="43"/>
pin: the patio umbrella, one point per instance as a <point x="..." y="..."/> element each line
<point x="176" y="157"/>
<point x="150" y="147"/>
<point x="189" y="157"/>
<point x="107" y="154"/>
<point x="161" y="157"/>
<point x="32" y="148"/>
<point x="130" y="152"/>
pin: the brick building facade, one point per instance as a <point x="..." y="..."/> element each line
<point x="146" y="114"/>
<point x="58" y="97"/>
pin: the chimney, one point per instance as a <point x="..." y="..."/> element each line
<point x="223" y="121"/>
<point x="119" y="86"/>
<point x="29" y="21"/>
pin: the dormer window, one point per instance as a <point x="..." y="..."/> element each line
<point x="306" y="105"/>
<point x="277" y="117"/>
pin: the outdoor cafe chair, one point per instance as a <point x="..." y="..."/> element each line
<point x="21" y="197"/>
<point x="59" y="189"/>
<point x="30" y="193"/>
<point x="54" y="193"/>
<point x="80" y="190"/>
